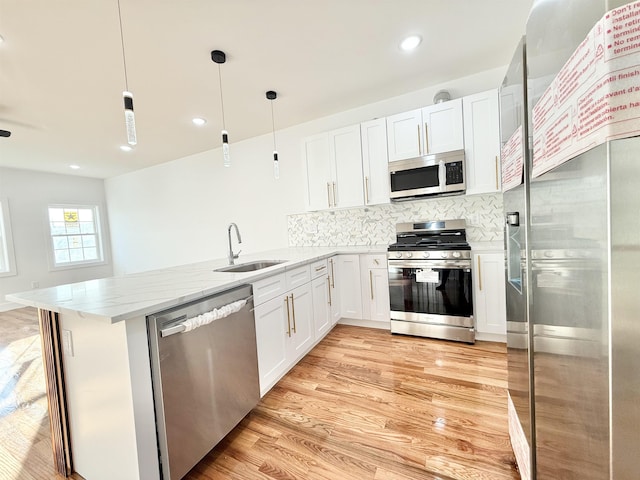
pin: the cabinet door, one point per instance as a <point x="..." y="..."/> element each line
<point x="301" y="311"/>
<point x="271" y="339"/>
<point x="346" y="167"/>
<point x="404" y="135"/>
<point x="443" y="127"/>
<point x="334" y="292"/>
<point x="318" y="172"/>
<point x="321" y="313"/>
<point x="375" y="161"/>
<point x="489" y="293"/>
<point x="380" y="307"/>
<point x="349" y="286"/>
<point x="482" y="142"/>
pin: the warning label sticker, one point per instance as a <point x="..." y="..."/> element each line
<point x="512" y="156"/>
<point x="596" y="95"/>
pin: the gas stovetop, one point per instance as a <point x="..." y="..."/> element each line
<point x="430" y="240"/>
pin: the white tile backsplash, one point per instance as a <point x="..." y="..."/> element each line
<point x="376" y="224"/>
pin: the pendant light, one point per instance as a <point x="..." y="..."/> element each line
<point x="129" y="118"/>
<point x="271" y="95"/>
<point x="219" y="57"/>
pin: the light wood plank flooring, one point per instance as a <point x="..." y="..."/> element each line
<point x="362" y="405"/>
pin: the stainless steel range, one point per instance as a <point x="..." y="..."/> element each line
<point x="430" y="281"/>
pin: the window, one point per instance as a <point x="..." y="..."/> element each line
<point x="7" y="261"/>
<point x="75" y="235"/>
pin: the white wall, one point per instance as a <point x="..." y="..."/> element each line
<point x="28" y="194"/>
<point x="178" y="212"/>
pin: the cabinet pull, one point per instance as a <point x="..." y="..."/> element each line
<point x="286" y="300"/>
<point x="419" y="141"/>
<point x="329" y="289"/>
<point x="371" y="283"/>
<point x="497" y="163"/>
<point x="335" y="203"/>
<point x="426" y="138"/>
<point x="321" y="267"/>
<point x="333" y="285"/>
<point x="366" y="190"/>
<point x="479" y="274"/>
<point x="328" y="194"/>
<point x="293" y="313"/>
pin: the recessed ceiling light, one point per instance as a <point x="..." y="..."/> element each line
<point x="199" y="121"/>
<point x="74" y="167"/>
<point x="126" y="148"/>
<point x="1" y="39"/>
<point x="410" y="42"/>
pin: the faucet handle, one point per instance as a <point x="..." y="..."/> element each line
<point x="236" y="255"/>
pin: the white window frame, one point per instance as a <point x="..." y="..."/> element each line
<point x="100" y="244"/>
<point x="6" y="241"/>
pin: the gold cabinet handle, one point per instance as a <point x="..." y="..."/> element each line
<point x="371" y="283"/>
<point x="426" y="138"/>
<point x="419" y="141"/>
<point x="321" y="267"/>
<point x="479" y="274"/>
<point x="293" y="313"/>
<point x="497" y="165"/>
<point x="335" y="203"/>
<point x="286" y="300"/>
<point x="366" y="189"/>
<point x="328" y="194"/>
<point x="329" y="289"/>
<point x="333" y="285"/>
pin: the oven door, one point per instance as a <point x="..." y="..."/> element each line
<point x="431" y="291"/>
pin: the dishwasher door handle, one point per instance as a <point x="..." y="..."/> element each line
<point x="189" y="324"/>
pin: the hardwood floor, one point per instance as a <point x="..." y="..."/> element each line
<point x="362" y="405"/>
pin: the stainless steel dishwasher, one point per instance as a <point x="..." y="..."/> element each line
<point x="205" y="375"/>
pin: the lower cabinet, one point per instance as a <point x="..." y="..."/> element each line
<point x="334" y="292"/>
<point x="375" y="288"/>
<point x="489" y="303"/>
<point x="349" y="286"/>
<point x="322" y="320"/>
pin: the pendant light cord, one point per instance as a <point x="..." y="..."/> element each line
<point x="124" y="61"/>
<point x="273" y="127"/>
<point x="221" y="98"/>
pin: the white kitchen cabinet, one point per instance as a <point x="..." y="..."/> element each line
<point x="434" y="129"/>
<point x="345" y="153"/>
<point x="301" y="320"/>
<point x="349" y="286"/>
<point x="333" y="163"/>
<point x="321" y="308"/>
<point x="482" y="142"/>
<point x="334" y="292"/>
<point x="272" y="341"/>
<point x="443" y="127"/>
<point x="404" y="135"/>
<point x="375" y="161"/>
<point x="489" y="303"/>
<point x="375" y="288"/>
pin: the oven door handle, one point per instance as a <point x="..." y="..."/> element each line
<point x="452" y="264"/>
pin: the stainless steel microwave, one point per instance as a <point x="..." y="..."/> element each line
<point x="429" y="175"/>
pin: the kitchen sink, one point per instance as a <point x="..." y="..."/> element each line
<point x="250" y="266"/>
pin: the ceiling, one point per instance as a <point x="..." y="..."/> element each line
<point x="62" y="75"/>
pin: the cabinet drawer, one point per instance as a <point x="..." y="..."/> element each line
<point x="298" y="276"/>
<point x="268" y="288"/>
<point x="319" y="268"/>
<point x="377" y="260"/>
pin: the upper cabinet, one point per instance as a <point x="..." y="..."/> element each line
<point x="333" y="162"/>
<point x="482" y="142"/>
<point x="434" y="129"/>
<point x="443" y="130"/>
<point x="374" y="161"/>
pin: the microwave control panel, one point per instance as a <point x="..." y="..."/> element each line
<point x="454" y="173"/>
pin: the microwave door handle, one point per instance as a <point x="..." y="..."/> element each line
<point x="442" y="176"/>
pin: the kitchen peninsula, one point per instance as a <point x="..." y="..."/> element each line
<point x="99" y="358"/>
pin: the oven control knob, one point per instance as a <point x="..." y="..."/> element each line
<point x="425" y="254"/>
<point x="398" y="254"/>
<point x="409" y="254"/>
<point x="456" y="254"/>
<point x="444" y="254"/>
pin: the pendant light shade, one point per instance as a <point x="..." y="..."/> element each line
<point x="129" y="117"/>
<point x="271" y="95"/>
<point x="219" y="57"/>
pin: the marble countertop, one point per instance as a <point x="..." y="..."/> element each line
<point x="115" y="299"/>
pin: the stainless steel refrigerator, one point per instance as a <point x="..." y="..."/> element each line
<point x="584" y="258"/>
<point x="514" y="137"/>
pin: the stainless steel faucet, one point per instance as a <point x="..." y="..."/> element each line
<point x="232" y="256"/>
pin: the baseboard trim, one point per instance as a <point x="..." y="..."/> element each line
<point x="365" y="323"/>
